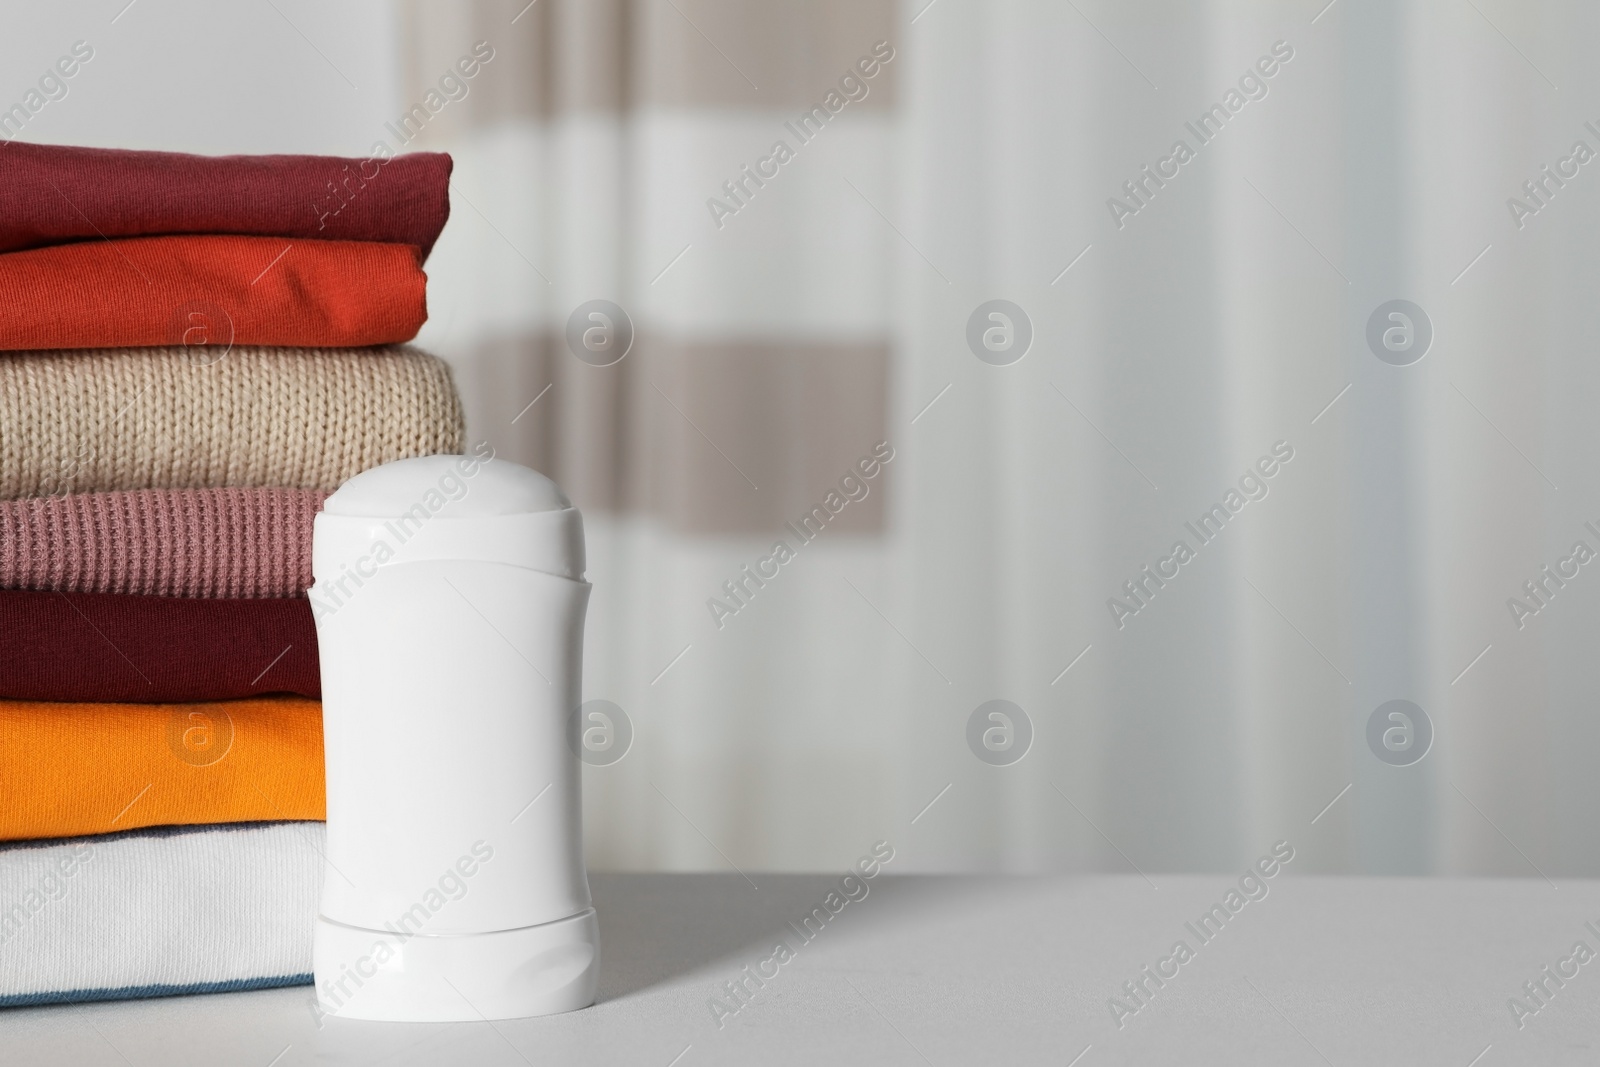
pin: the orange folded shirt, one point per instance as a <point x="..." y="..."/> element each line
<point x="68" y="770"/>
<point x="211" y="291"/>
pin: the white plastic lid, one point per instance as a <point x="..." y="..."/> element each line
<point x="448" y="508"/>
<point x="468" y="486"/>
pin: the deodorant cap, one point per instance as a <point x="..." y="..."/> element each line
<point x="448" y="508"/>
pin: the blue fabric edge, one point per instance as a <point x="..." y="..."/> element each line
<point x="143" y="992"/>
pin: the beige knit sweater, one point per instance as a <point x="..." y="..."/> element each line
<point x="160" y="418"/>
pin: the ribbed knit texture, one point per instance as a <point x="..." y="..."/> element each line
<point x="162" y="542"/>
<point x="155" y="418"/>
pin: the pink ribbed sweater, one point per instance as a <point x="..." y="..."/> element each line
<point x="231" y="543"/>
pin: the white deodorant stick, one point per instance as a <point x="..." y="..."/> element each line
<point x="449" y="603"/>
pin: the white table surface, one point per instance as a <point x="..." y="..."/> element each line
<point x="953" y="970"/>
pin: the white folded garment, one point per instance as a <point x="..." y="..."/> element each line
<point x="163" y="911"/>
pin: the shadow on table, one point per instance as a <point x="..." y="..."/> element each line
<point x="656" y="927"/>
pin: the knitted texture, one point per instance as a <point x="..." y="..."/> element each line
<point x="102" y="647"/>
<point x="74" y="769"/>
<point x="51" y="194"/>
<point x="211" y="291"/>
<point x="155" y="418"/>
<point x="162" y="542"/>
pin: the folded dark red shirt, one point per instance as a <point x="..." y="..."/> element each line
<point x="50" y="194"/>
<point x="105" y="648"/>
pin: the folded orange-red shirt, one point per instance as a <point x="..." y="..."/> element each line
<point x="72" y="769"/>
<point x="211" y="291"/>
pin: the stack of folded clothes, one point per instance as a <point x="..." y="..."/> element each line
<point x="193" y="353"/>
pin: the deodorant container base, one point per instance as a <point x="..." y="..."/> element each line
<point x="449" y="604"/>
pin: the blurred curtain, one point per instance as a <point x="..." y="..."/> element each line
<point x="586" y="151"/>
<point x="778" y="344"/>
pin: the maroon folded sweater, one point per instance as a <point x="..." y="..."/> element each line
<point x="51" y="194"/>
<point x="104" y="647"/>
